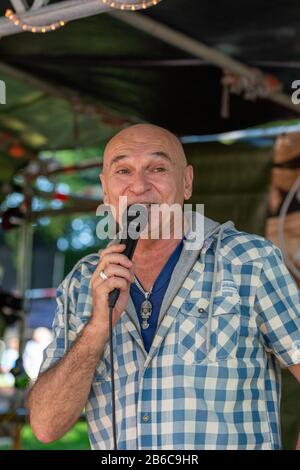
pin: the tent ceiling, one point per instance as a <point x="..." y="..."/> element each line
<point x="130" y="76"/>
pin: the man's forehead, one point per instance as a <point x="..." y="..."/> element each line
<point x="129" y="146"/>
<point x="142" y="140"/>
<point x="148" y="150"/>
<point x="119" y="157"/>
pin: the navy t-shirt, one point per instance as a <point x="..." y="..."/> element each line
<point x="156" y="297"/>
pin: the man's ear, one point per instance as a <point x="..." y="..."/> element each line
<point x="104" y="190"/>
<point x="188" y="181"/>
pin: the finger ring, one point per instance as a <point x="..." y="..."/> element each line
<point x="103" y="275"/>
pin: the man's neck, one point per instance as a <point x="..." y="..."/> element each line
<point x="154" y="247"/>
<point x="150" y="257"/>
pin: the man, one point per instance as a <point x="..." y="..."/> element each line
<point x="203" y="371"/>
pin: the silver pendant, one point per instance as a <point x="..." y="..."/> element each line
<point x="146" y="310"/>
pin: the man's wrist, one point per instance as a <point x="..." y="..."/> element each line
<point x="95" y="334"/>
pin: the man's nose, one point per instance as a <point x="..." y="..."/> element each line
<point x="140" y="184"/>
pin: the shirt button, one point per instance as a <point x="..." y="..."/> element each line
<point x="201" y="310"/>
<point x="146" y="418"/>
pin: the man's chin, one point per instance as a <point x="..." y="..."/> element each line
<point x="158" y="229"/>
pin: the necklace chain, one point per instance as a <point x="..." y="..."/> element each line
<point x="140" y="287"/>
<point x="146" y="307"/>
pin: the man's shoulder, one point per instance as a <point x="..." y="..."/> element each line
<point x="242" y="247"/>
<point x="78" y="280"/>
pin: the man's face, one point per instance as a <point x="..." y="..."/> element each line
<point x="146" y="164"/>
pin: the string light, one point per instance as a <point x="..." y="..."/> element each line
<point x="11" y="16"/>
<point x="137" y="5"/>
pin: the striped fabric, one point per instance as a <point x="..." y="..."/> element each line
<point x="207" y="382"/>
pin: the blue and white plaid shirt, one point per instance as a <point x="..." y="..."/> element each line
<point x="211" y="379"/>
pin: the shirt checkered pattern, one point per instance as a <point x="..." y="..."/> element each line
<point x="184" y="395"/>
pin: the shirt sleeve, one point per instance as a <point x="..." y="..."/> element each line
<point x="56" y="349"/>
<point x="277" y="305"/>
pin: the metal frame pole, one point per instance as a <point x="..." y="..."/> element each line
<point x="24" y="268"/>
<point x="198" y="49"/>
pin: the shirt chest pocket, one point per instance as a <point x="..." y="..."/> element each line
<point x="203" y="339"/>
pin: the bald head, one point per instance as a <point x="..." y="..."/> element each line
<point x="139" y="136"/>
<point x="147" y="164"/>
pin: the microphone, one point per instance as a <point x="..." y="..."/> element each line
<point x="133" y="225"/>
<point x="132" y="228"/>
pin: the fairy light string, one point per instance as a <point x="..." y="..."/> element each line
<point x="11" y="16"/>
<point x="117" y="4"/>
<point x="121" y="5"/>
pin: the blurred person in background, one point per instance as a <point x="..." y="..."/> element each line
<point x="33" y="352"/>
<point x="8" y="360"/>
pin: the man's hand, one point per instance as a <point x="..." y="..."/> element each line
<point x="119" y="270"/>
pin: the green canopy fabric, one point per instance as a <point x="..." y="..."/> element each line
<point x="232" y="181"/>
<point x="76" y="86"/>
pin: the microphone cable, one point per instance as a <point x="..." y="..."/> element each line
<point x="135" y="225"/>
<point x="112" y="373"/>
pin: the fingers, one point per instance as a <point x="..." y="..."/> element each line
<point x="119" y="271"/>
<point x="113" y="249"/>
<point x="115" y="258"/>
<point x="109" y="285"/>
<point x="114" y="270"/>
<point x="113" y="263"/>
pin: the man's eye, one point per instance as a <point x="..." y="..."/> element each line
<point x="159" y="169"/>
<point x="122" y="171"/>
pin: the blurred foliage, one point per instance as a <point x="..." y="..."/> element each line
<point x="75" y="439"/>
<point x="47" y="231"/>
<point x="290" y="410"/>
<point x="80" y="180"/>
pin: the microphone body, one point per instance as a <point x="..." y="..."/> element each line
<point x="134" y="226"/>
<point x="129" y="251"/>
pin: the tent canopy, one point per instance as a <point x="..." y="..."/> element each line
<point x="76" y="86"/>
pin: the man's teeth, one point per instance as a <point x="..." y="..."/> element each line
<point x="148" y="204"/>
